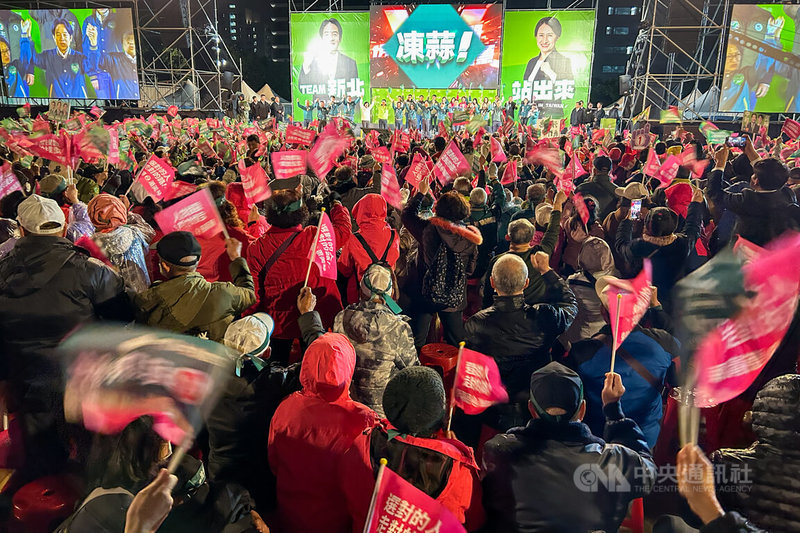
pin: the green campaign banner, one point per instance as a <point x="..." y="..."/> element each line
<point x="547" y="57"/>
<point x="330" y="57"/>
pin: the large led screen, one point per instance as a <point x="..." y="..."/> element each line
<point x="547" y="58"/>
<point x="329" y="57"/>
<point x="69" y="53"/>
<point x="762" y="63"/>
<point x="435" y="46"/>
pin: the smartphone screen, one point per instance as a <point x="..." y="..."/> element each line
<point x="636" y="208"/>
<point x="738" y="142"/>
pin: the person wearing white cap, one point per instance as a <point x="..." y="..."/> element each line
<point x="238" y="425"/>
<point x="48" y="287"/>
<point x="381" y="337"/>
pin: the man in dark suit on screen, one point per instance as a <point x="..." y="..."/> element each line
<point x="325" y="63"/>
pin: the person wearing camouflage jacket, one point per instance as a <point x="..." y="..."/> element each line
<point x="382" y="339"/>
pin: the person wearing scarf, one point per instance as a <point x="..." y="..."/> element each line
<point x="122" y="238"/>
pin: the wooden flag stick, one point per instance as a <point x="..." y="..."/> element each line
<point x="313" y="250"/>
<point x="371" y="515"/>
<point x="614" y="333"/>
<point x="453" y="390"/>
<point x="177" y="457"/>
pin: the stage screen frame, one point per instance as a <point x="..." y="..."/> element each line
<point x="758" y="82"/>
<point x="479" y="67"/>
<point x="106" y="70"/>
<point x="304" y="30"/>
<point x="578" y="51"/>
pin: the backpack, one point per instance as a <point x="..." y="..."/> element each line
<point x="375" y="261"/>
<point x="445" y="281"/>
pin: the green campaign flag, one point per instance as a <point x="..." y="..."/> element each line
<point x="476" y="122"/>
<point x="717" y="136"/>
<point x="608" y="124"/>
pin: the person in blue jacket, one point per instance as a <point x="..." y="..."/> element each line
<point x="14" y="72"/>
<point x="122" y="67"/>
<point x="308" y="112"/>
<point x="398" y="108"/>
<point x="644" y="360"/>
<point x="104" y="22"/>
<point x="65" y="69"/>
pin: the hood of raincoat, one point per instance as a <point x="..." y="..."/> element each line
<point x="370" y="211"/>
<point x="327" y="368"/>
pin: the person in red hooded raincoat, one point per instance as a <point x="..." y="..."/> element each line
<point x="308" y="435"/>
<point x="214" y="262"/>
<point x="370" y="215"/>
<point x="235" y="195"/>
<point x="277" y="288"/>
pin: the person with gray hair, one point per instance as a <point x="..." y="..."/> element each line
<point x="520" y="234"/>
<point x="534" y="195"/>
<point x="518" y="335"/>
<point x="484" y="212"/>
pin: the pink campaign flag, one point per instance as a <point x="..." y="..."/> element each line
<point x="451" y="164"/>
<point x="179" y="189"/>
<point x="324" y="253"/>
<point x="156" y="176"/>
<point x="498" y="156"/>
<point x="119" y="374"/>
<point x="541" y="154"/>
<point x="478" y="385"/>
<point x="381" y="154"/>
<point x="172" y="110"/>
<point x="668" y="171"/>
<point x="653" y="165"/>
<point x="398" y="506"/>
<point x="390" y="190"/>
<point x="729" y="358"/>
<point x="634" y="303"/>
<point x="791" y="128"/>
<point x="509" y="174"/>
<point x="418" y="170"/>
<point x="96" y="111"/>
<point x="113" y="145"/>
<point x="8" y="181"/>
<point x="254" y="183"/>
<point x="478" y="137"/>
<point x="196" y="214"/>
<point x="326" y="150"/>
<point x="289" y="163"/>
<point x="580" y="207"/>
<point x="298" y="135"/>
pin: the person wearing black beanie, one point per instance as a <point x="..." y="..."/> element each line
<point x="416" y="448"/>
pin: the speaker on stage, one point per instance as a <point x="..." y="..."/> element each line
<point x="625" y="85"/>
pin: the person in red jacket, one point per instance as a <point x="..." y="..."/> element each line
<point x="412" y="441"/>
<point x="310" y="432"/>
<point x="278" y="286"/>
<point x="370" y="216"/>
<point x="214" y="263"/>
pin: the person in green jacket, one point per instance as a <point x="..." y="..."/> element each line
<point x="186" y="302"/>
<point x="89" y="183"/>
<point x="382" y="114"/>
<point x="520" y="233"/>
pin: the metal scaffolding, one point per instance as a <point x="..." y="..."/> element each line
<point x="184" y="60"/>
<point x="678" y="56"/>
